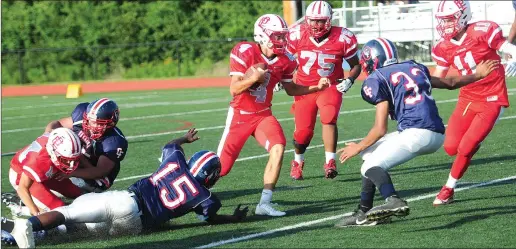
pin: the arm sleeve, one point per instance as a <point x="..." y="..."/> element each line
<point x="239" y="60"/>
<point x="350" y="43"/>
<point x="115" y="148"/>
<point x="374" y="90"/>
<point x="439" y="58"/>
<point x="208" y="208"/>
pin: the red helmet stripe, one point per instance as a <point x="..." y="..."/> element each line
<point x="283" y="24"/>
<point x="201" y="161"/>
<point x="387" y="47"/>
<point x="313" y="7"/>
<point x="441" y="6"/>
<point x="97" y="106"/>
<point x="319" y="10"/>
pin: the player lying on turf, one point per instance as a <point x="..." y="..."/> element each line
<point x="403" y="91"/>
<point x="33" y="170"/>
<point x="175" y="189"/>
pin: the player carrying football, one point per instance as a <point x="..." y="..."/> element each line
<point x="403" y="91"/>
<point x="480" y="104"/>
<point x="250" y="111"/>
<point x="320" y="49"/>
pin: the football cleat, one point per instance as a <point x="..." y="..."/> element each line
<point x="267" y="209"/>
<point x="330" y="169"/>
<point x="7" y="238"/>
<point x="23" y="234"/>
<point x="358" y="218"/>
<point x="296" y="170"/>
<point x="9" y="198"/>
<point x="444" y="197"/>
<point x="393" y="206"/>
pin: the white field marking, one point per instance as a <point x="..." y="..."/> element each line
<point x="221" y="127"/>
<point x="73" y="103"/>
<point x="335" y="217"/>
<point x="245" y="158"/>
<point x="206" y="128"/>
<point x="267" y="154"/>
<point x="127" y="106"/>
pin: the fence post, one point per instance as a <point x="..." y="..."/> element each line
<point x="178" y="58"/>
<point x="95" y="62"/>
<point x="20" y="67"/>
<point x="379" y="21"/>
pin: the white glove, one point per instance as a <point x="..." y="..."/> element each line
<point x="510" y="69"/>
<point x="344" y="85"/>
<point x="278" y="87"/>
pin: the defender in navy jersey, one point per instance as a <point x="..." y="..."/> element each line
<point x="104" y="144"/>
<point x="175" y="189"/>
<point x="403" y="91"/>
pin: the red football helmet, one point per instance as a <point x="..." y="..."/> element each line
<point x="318" y="18"/>
<point x="271" y="31"/>
<point x="452" y="17"/>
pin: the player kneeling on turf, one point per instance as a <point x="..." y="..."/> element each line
<point x="401" y="90"/>
<point x="175" y="189"/>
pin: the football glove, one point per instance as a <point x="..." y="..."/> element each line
<point x="344" y="84"/>
<point x="510" y="69"/>
<point x="278" y="87"/>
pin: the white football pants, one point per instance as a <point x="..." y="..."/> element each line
<point x="113" y="211"/>
<point x="399" y="147"/>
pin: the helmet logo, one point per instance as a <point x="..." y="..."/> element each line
<point x="57" y="141"/>
<point x="264" y="21"/>
<point x="366" y="53"/>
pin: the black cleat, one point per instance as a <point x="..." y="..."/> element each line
<point x="392" y="206"/>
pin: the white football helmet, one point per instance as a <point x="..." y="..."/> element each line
<point x="319" y="11"/>
<point x="452" y="17"/>
<point x="271" y="31"/>
<point x="64" y="148"/>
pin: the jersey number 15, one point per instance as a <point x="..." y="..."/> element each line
<point x="169" y="199"/>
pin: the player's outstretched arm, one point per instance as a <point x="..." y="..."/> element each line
<point x="64" y="122"/>
<point x="189" y="137"/>
<point x="293" y="89"/>
<point x="238" y="215"/>
<point x="483" y="69"/>
<point x="378" y="131"/>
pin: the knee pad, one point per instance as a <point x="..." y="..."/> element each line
<point x="303" y="137"/>
<point x="329" y="114"/>
<point x="366" y="166"/>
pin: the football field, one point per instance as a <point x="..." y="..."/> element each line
<point x="482" y="217"/>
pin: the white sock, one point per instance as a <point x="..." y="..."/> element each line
<point x="299" y="158"/>
<point x="452" y="182"/>
<point x="266" y="196"/>
<point x="329" y="156"/>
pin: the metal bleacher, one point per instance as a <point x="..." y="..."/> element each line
<point x="412" y="26"/>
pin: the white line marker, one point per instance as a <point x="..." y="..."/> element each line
<point x="335" y="217"/>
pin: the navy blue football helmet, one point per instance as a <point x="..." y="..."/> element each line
<point x="205" y="167"/>
<point x="101" y="115"/>
<point x="378" y="53"/>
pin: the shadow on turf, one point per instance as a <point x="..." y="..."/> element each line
<point x="189" y="242"/>
<point x="488" y="213"/>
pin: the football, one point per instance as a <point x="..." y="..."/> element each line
<point x="249" y="72"/>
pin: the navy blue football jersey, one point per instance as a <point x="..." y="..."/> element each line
<point x="407" y="88"/>
<point x="112" y="144"/>
<point x="172" y="191"/>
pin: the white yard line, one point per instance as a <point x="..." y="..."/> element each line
<point x="335" y="217"/>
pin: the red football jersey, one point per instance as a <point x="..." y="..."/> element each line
<point x="481" y="41"/>
<point x="34" y="161"/>
<point x="281" y="68"/>
<point x="323" y="59"/>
